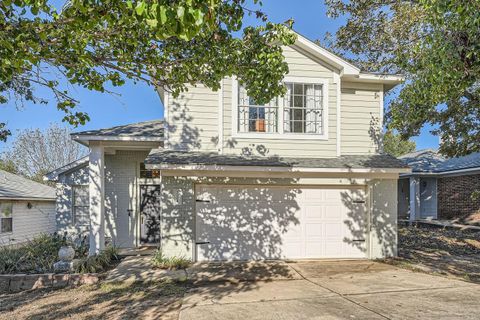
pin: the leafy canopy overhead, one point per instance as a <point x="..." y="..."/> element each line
<point x="436" y="44"/>
<point x="165" y="43"/>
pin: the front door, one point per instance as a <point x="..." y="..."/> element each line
<point x="149" y="214"/>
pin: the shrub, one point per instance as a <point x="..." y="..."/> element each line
<point x="39" y="255"/>
<point x="159" y="260"/>
<point x="34" y="256"/>
<point x="97" y="263"/>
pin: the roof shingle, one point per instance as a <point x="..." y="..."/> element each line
<point x="203" y="158"/>
<point x="152" y="129"/>
<point x="432" y="162"/>
<point x="15" y="187"/>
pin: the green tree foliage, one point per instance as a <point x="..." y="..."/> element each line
<point x="436" y="45"/>
<point x="396" y="146"/>
<point x="167" y="43"/>
<point x="8" y="165"/>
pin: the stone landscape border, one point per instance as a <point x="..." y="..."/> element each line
<point x="10" y="283"/>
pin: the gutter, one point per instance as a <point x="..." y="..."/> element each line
<point x="443" y="173"/>
<point x="27" y="199"/>
<point x="226" y="168"/>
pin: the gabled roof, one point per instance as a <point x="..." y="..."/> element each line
<point x="140" y="131"/>
<point x="338" y="62"/>
<point x="430" y="161"/>
<point x="14" y="187"/>
<point x="347" y="69"/>
<point x="375" y="161"/>
<point x="53" y="175"/>
<point x="426" y="160"/>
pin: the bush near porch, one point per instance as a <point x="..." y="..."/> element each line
<point x="39" y="254"/>
<point x="159" y="260"/>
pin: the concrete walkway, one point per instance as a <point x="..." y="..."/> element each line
<point x="359" y="289"/>
<point x="139" y="268"/>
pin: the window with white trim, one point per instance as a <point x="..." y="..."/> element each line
<point x="6" y="217"/>
<point x="300" y="111"/>
<point x="303" y="108"/>
<point x="253" y="117"/>
<point x="80" y="207"/>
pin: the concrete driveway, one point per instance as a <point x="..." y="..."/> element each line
<point x="324" y="290"/>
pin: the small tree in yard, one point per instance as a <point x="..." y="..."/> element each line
<point x="8" y="165"/>
<point x="395" y="145"/>
<point x="35" y="153"/>
<point x="164" y="43"/>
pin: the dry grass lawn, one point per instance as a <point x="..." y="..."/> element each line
<point x="444" y="251"/>
<point x="122" y="300"/>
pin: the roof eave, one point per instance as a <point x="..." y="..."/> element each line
<point x="390" y="80"/>
<point x="345" y="67"/>
<point x="27" y="198"/>
<point x="290" y="169"/>
<point x="53" y="175"/>
<point x="347" y="70"/>
<point x="85" y="138"/>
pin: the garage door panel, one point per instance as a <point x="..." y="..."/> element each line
<point x="333" y="212"/>
<point x="313" y="212"/>
<point x="244" y="222"/>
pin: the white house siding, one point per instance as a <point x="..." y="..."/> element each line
<point x="64" y="215"/>
<point x="361" y="118"/>
<point x="193" y="118"/>
<point x="121" y="193"/>
<point x="121" y="189"/>
<point x="29" y="223"/>
<point x="192" y="122"/>
<point x="178" y="210"/>
<point x="383" y="235"/>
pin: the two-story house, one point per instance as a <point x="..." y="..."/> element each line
<point x="223" y="178"/>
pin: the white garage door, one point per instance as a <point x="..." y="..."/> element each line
<point x="260" y="222"/>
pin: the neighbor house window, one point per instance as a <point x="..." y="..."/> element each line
<point x="303" y="108"/>
<point x="6" y="218"/>
<point x="253" y="117"/>
<point x="81" y="214"/>
<point x="300" y="111"/>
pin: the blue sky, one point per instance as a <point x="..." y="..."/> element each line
<point x="139" y="102"/>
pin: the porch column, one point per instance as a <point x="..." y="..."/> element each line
<point x="97" y="198"/>
<point x="414" y="197"/>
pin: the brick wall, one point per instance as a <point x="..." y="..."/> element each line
<point x="454" y="196"/>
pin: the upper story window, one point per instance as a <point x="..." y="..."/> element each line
<point x="302" y="111"/>
<point x="6" y="219"/>
<point x="303" y="108"/>
<point x="253" y="117"/>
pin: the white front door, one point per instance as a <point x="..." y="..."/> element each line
<point x="268" y="222"/>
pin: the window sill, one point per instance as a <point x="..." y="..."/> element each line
<point x="279" y="136"/>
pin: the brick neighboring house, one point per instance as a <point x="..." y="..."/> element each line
<point x="439" y="188"/>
